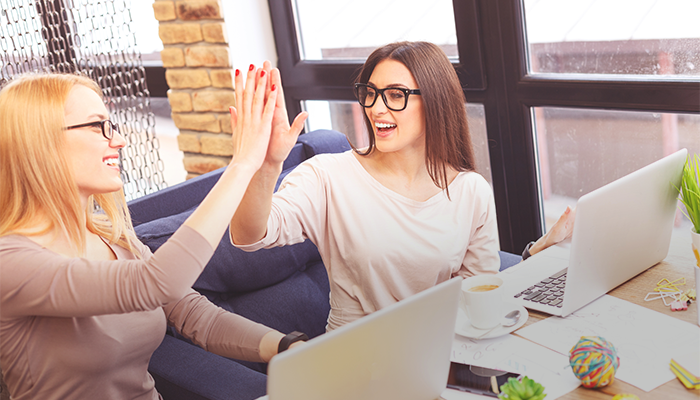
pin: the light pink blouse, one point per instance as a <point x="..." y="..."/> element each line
<point x="72" y="328"/>
<point x="378" y="246"/>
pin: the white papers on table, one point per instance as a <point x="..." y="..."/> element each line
<point x="645" y="340"/>
<point x="514" y="354"/>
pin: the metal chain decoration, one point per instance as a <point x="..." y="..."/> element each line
<point x="93" y="38"/>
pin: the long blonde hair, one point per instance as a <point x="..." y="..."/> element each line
<point x="38" y="192"/>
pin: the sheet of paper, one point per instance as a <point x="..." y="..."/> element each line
<point x="514" y="354"/>
<point x="645" y="340"/>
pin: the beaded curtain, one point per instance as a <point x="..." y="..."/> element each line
<point x="93" y="38"/>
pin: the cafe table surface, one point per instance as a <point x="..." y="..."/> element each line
<point x="678" y="264"/>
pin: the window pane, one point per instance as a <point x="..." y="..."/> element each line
<point x="347" y="117"/>
<point x="637" y="37"/>
<point x="582" y="150"/>
<point x="352" y="29"/>
<point x="145" y="28"/>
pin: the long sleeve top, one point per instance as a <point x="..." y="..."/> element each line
<point x="72" y="328"/>
<point x="378" y="246"/>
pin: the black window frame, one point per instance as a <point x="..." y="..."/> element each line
<point x="494" y="74"/>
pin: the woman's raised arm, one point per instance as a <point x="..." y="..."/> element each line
<point x="251" y="136"/>
<point x="249" y="224"/>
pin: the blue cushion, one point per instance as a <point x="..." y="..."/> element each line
<point x="186" y="372"/>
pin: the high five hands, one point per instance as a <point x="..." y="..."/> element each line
<point x="260" y="98"/>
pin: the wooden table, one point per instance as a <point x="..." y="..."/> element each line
<point x="679" y="263"/>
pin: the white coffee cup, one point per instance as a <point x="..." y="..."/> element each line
<point x="484" y="308"/>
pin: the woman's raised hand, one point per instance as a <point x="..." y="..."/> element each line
<point x="249" y="224"/>
<point x="283" y="136"/>
<point x="252" y="117"/>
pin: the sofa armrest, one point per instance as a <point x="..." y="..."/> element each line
<point x="323" y="141"/>
<point x="508" y="259"/>
<point x="183" y="371"/>
<point x="186" y="195"/>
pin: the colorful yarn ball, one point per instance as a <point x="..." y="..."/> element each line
<point x="594" y="361"/>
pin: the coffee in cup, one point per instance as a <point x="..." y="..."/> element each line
<point x="481" y="299"/>
<point x="483" y="288"/>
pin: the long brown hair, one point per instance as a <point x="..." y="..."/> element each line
<point x="38" y="192"/>
<point x="447" y="138"/>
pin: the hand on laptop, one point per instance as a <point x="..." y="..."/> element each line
<point x="561" y="230"/>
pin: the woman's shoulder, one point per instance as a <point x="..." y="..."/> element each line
<point x="327" y="164"/>
<point x="21" y="250"/>
<point x="471" y="180"/>
<point x="331" y="160"/>
<point x="15" y="242"/>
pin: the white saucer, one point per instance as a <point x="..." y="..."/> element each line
<point x="464" y="328"/>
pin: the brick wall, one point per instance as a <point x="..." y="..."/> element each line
<point x="199" y="72"/>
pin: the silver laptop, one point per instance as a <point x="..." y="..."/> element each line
<point x="621" y="230"/>
<point x="399" y="352"/>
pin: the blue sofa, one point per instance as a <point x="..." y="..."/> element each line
<point x="285" y="288"/>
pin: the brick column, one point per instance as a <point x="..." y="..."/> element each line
<point x="199" y="72"/>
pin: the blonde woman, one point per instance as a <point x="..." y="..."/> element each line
<point x="83" y="304"/>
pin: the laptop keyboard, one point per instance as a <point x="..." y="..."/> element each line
<point x="547" y="291"/>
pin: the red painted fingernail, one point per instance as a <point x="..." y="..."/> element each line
<point x="273" y="87"/>
<point x="251" y="67"/>
<point x="262" y="73"/>
<point x="238" y="72"/>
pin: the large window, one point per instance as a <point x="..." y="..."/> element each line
<point x="614" y="37"/>
<point x="352" y="29"/>
<point x="570" y="94"/>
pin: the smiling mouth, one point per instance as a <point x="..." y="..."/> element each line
<point x="112" y="162"/>
<point x="381" y="126"/>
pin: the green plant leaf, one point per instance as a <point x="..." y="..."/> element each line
<point x="689" y="192"/>
<point x="524" y="389"/>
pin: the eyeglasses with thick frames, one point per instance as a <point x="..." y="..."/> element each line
<point x="395" y="99"/>
<point x="108" y="127"/>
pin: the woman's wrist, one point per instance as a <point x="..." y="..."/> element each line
<point x="269" y="344"/>
<point x="538" y="246"/>
<point x="273" y="169"/>
<point x="526" y="253"/>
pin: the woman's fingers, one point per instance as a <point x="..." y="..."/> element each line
<point x="248" y="92"/>
<point x="276" y="79"/>
<point x="298" y="123"/>
<point x="270" y="107"/>
<point x="258" y="95"/>
<point x="267" y="67"/>
<point x="234" y="117"/>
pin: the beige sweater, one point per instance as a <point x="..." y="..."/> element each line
<point x="380" y="247"/>
<point x="72" y="328"/>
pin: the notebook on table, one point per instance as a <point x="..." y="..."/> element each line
<point x="621" y="230"/>
<point x="399" y="352"/>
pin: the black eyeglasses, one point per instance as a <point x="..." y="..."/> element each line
<point x="395" y="99"/>
<point x="108" y="127"/>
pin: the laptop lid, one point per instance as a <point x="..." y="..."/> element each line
<point x="399" y="352"/>
<point x="621" y="230"/>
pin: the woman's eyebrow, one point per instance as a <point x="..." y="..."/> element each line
<point x="391" y="85"/>
<point x="99" y="117"/>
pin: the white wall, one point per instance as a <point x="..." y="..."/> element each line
<point x="249" y="32"/>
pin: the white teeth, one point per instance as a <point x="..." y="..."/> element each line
<point x="382" y="125"/>
<point x="112" y="162"/>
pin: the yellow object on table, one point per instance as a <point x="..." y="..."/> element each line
<point x="689" y="380"/>
<point x="625" y="396"/>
